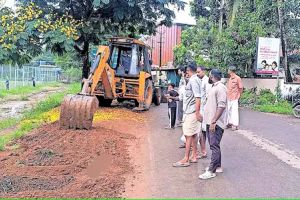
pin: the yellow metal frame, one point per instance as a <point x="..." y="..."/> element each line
<point x="101" y="72"/>
<point x="133" y="41"/>
<point x="106" y="75"/>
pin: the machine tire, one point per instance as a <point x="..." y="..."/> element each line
<point x="121" y="100"/>
<point x="296" y="110"/>
<point x="148" y="93"/>
<point x="163" y="97"/>
<point x="104" y="102"/>
<point x="157" y="96"/>
<point x="136" y="103"/>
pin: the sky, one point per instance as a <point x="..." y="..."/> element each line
<point x="9" y="3"/>
<point x="182" y="16"/>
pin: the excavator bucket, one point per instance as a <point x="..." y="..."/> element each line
<point x="77" y="111"/>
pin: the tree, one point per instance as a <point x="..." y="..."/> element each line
<point x="67" y="60"/>
<point x="292" y="23"/>
<point x="196" y="44"/>
<point x="101" y="18"/>
<point x="240" y="22"/>
<point x="199" y="8"/>
<point x="235" y="45"/>
<point x="18" y="41"/>
<point x="24" y="33"/>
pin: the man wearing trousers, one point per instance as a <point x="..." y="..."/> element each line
<point x="215" y="120"/>
<point x="234" y="91"/>
<point x="172" y="105"/>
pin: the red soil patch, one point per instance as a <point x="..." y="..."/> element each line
<point x="67" y="163"/>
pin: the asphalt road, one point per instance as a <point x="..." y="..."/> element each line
<point x="259" y="160"/>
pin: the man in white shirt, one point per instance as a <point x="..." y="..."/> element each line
<point x="181" y="91"/>
<point x="205" y="87"/>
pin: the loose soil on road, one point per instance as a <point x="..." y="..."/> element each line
<point x="129" y="154"/>
<point x="102" y="162"/>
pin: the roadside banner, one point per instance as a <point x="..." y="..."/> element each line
<point x="268" y="55"/>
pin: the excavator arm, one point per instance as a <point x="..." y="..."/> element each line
<point x="77" y="111"/>
<point x="99" y="72"/>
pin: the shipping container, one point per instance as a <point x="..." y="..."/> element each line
<point x="166" y="38"/>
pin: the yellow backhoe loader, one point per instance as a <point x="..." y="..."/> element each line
<point x="121" y="71"/>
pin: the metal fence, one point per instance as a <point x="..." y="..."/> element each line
<point x="25" y="75"/>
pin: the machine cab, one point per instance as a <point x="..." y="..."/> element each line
<point x="128" y="57"/>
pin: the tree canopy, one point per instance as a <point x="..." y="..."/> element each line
<point x="102" y="18"/>
<point x="24" y="33"/>
<point x="242" y="22"/>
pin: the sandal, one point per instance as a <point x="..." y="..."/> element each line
<point x="193" y="161"/>
<point x="228" y="126"/>
<point x="202" y="156"/>
<point x="234" y="128"/>
<point x="180" y="164"/>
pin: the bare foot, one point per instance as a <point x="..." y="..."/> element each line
<point x="234" y="128"/>
<point x="193" y="158"/>
<point x="202" y="156"/>
<point x="183" y="161"/>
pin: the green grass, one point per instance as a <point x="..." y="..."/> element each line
<point x="6" y="123"/>
<point x="279" y="108"/>
<point x="22" y="130"/>
<point x="33" y="118"/>
<point x="24" y="91"/>
<point x="74" y="88"/>
<point x="248" y="98"/>
<point x="42" y="106"/>
<point x="24" y="98"/>
<point x="265" y="101"/>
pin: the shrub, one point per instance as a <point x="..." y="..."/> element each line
<point x="265" y="101"/>
<point x="282" y="107"/>
<point x="73" y="74"/>
<point x="248" y="98"/>
<point x="266" y="97"/>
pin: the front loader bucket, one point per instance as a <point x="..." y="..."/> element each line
<point x="77" y="111"/>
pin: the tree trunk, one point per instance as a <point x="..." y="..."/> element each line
<point x="85" y="60"/>
<point x="283" y="39"/>
<point x="221" y="16"/>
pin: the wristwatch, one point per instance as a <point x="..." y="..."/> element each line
<point x="213" y="122"/>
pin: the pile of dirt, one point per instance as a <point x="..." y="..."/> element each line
<point x="67" y="163"/>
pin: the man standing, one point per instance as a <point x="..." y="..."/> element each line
<point x="205" y="86"/>
<point x="7" y="83"/>
<point x="181" y="91"/>
<point x="172" y="105"/>
<point x="215" y="121"/>
<point x="234" y="91"/>
<point x="192" y="116"/>
<point x="33" y="81"/>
